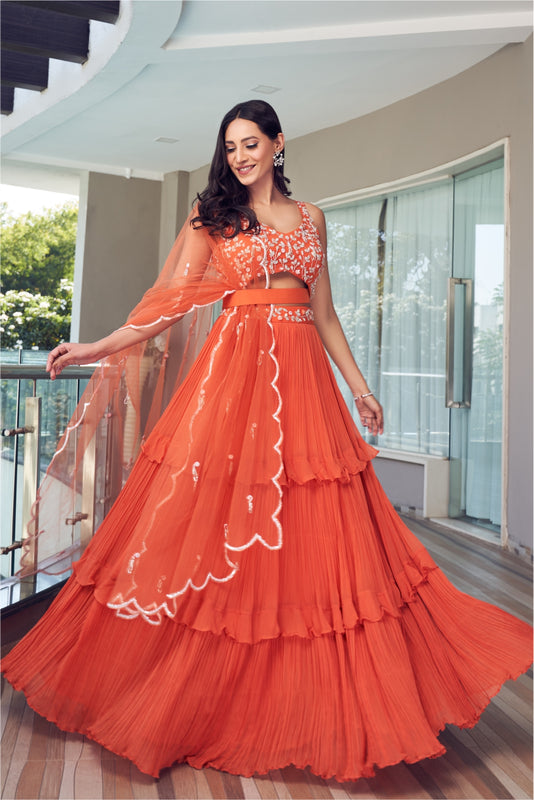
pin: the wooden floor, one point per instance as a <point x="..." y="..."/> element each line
<point x="492" y="760"/>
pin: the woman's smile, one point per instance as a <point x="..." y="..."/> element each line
<point x="249" y="151"/>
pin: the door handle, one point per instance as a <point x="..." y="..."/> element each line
<point x="459" y="322"/>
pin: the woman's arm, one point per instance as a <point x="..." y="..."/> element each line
<point x="335" y="342"/>
<point x="68" y="354"/>
<point x="164" y="303"/>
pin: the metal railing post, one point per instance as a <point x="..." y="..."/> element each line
<point x="32" y="457"/>
<point x="88" y="493"/>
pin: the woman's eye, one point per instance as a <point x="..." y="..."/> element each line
<point x="251" y="146"/>
<point x="230" y="149"/>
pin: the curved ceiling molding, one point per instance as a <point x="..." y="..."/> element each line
<point x="155" y="106"/>
<point x="116" y="56"/>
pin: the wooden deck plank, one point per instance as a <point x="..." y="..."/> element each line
<point x="279" y="784"/>
<point x="7" y="696"/>
<point x="337" y="790"/>
<point x="108" y="776"/>
<point x="452" y="784"/>
<point x="359" y="789"/>
<point x="397" y="782"/>
<point x="522" y="691"/>
<point x="55" y="750"/>
<point x="426" y="780"/>
<point x="11" y="778"/>
<point x="517" y="728"/>
<point x="500" y="761"/>
<point x="144" y="787"/>
<point x="318" y="786"/>
<point x="39" y="741"/>
<point x="217" y="783"/>
<point x="88" y="772"/>
<point x="165" y="786"/>
<point x="521" y="714"/>
<point x="183" y="780"/>
<point x="31" y="778"/>
<point x="518" y="703"/>
<point x="250" y="790"/>
<point x="66" y="790"/>
<point x="232" y="786"/>
<point x="123" y="784"/>
<point x="481" y="778"/>
<point x="52" y="778"/>
<point x="499" y="743"/>
<point x="21" y="779"/>
<point x="203" y="789"/>
<point x="74" y="743"/>
<point x="18" y="710"/>
<point x="296" y="781"/>
<point x="265" y="787"/>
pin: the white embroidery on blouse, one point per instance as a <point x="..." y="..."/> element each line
<point x="292" y="314"/>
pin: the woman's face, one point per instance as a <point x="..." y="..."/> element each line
<point x="249" y="152"/>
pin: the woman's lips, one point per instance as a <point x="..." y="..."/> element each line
<point x="245" y="170"/>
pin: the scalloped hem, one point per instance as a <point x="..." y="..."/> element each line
<point x="255" y="625"/>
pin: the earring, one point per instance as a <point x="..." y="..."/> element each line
<point x="278" y="158"/>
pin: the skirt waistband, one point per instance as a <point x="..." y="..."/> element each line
<point x="249" y="297"/>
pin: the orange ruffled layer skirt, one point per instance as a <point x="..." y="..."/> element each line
<point x="345" y="650"/>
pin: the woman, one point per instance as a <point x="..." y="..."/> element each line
<point x="252" y="600"/>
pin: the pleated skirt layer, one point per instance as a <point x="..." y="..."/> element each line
<point x="345" y="650"/>
<point x="342" y="703"/>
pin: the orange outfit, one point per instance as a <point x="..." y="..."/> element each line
<point x="252" y="599"/>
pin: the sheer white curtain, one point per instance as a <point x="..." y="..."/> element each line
<point x="418" y="265"/>
<point x="389" y="265"/>
<point x="353" y="246"/>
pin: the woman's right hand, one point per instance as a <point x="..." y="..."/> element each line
<point x="69" y="354"/>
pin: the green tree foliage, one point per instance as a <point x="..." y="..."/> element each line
<point x="35" y="321"/>
<point x="38" y="249"/>
<point x="37" y="272"/>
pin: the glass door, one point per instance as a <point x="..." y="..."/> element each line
<point x="475" y="346"/>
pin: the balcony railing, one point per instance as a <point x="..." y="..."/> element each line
<point x="35" y="411"/>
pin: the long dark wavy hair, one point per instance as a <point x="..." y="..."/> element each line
<point x="223" y="206"/>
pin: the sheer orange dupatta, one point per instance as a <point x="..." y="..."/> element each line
<point x="125" y="397"/>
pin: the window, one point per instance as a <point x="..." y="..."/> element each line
<point x="390" y="260"/>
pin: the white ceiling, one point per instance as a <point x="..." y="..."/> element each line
<point x="173" y="69"/>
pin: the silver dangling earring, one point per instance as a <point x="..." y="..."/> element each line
<point x="278" y="159"/>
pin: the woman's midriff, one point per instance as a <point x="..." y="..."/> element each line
<point x="279" y="281"/>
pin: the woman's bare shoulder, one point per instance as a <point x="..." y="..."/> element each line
<point x="315" y="213"/>
<point x="317" y="216"/>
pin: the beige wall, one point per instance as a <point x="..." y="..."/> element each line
<point x="174" y="210"/>
<point x="118" y="245"/>
<point x="480" y="106"/>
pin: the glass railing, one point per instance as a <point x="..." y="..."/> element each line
<point x="34" y="413"/>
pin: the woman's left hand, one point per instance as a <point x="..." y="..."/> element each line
<point x="371" y="414"/>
